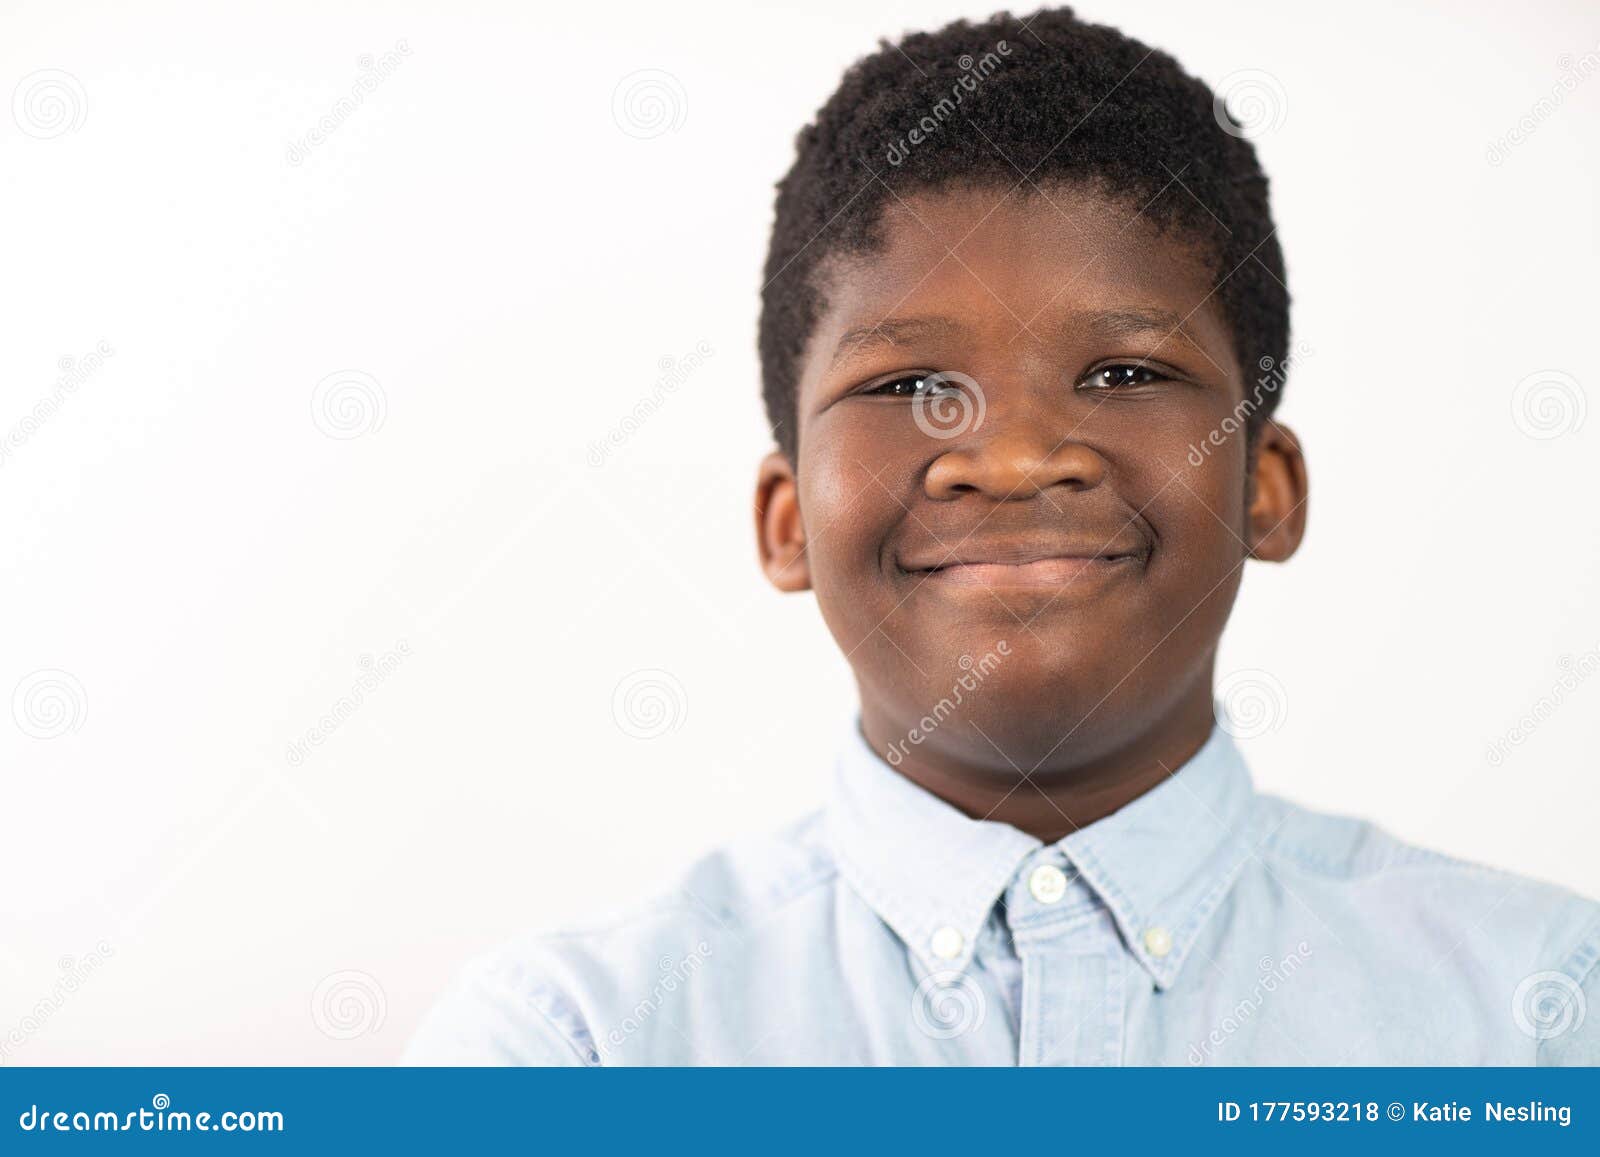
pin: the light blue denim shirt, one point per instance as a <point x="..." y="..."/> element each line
<point x="1203" y="923"/>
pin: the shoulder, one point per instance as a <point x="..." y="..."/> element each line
<point x="1340" y="851"/>
<point x="1535" y="944"/>
<point x="565" y="996"/>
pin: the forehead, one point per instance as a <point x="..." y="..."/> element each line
<point x="1015" y="266"/>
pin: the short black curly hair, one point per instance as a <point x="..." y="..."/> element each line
<point x="1046" y="99"/>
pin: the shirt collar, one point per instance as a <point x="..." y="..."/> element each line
<point x="1161" y="864"/>
<point x="923" y="866"/>
<point x="1164" y="862"/>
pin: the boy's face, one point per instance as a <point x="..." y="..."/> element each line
<point x="1066" y="499"/>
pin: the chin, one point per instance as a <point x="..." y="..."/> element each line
<point x="1048" y="705"/>
<point x="968" y="712"/>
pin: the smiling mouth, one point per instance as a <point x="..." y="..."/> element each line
<point x="1043" y="572"/>
<point x="1026" y="566"/>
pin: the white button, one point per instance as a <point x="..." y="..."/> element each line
<point x="947" y="943"/>
<point x="1048" y="883"/>
<point x="1157" y="941"/>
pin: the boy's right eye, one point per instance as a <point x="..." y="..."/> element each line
<point x="927" y="385"/>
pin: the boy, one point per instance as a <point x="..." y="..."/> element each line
<point x="1022" y="336"/>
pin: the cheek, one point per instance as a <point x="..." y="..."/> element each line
<point x="1213" y="478"/>
<point x="1201" y="554"/>
<point x="1192" y="490"/>
<point x="1188" y="462"/>
<point x="847" y="508"/>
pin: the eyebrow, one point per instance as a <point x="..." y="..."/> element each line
<point x="1115" y="323"/>
<point x="891" y="332"/>
<point x="1103" y="323"/>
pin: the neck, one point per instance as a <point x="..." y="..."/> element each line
<point x="1070" y="790"/>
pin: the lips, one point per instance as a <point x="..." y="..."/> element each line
<point x="1050" y="572"/>
<point x="1029" y="562"/>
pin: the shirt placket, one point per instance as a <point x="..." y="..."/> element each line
<point x="1074" y="968"/>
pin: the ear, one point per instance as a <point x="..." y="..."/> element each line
<point x="1278" y="492"/>
<point x="780" y="531"/>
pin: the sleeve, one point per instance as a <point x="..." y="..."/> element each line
<point x="495" y="1014"/>
<point x="1570" y="1021"/>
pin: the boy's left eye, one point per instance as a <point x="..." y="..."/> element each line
<point x="1121" y="375"/>
<point x="915" y="385"/>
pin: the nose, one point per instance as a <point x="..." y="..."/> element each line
<point x="1018" y="461"/>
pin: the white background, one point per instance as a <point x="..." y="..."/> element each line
<point x="510" y="254"/>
